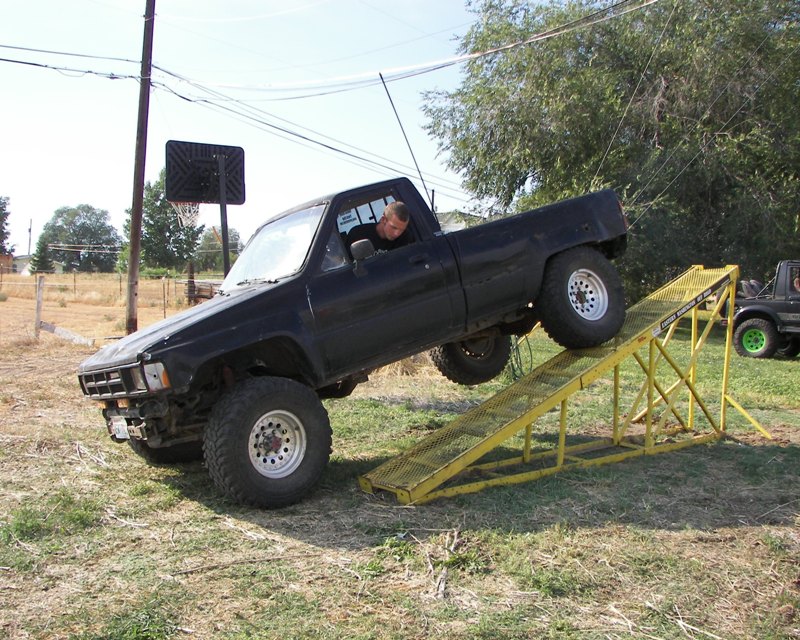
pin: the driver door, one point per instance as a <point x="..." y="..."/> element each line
<point x="385" y="307"/>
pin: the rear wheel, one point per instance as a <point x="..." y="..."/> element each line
<point x="582" y="302"/>
<point x="474" y="360"/>
<point x="756" y="338"/>
<point x="268" y="442"/>
<point x="790" y="348"/>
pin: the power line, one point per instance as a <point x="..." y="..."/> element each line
<point x="67" y="53"/>
<point x="251" y="114"/>
<point x="84" y="72"/>
<point x="372" y="78"/>
<point x="84" y="248"/>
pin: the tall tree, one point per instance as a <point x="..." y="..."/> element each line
<point x="209" y="252"/>
<point x="42" y="260"/>
<point x="165" y="243"/>
<point x="690" y="110"/>
<point x="4" y="213"/>
<point x="84" y="237"/>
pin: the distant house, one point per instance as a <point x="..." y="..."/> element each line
<point x="22" y="265"/>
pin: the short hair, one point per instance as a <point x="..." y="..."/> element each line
<point x="398" y="210"/>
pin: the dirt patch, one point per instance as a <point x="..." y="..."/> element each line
<point x="101" y="323"/>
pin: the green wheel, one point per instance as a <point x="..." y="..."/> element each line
<point x="756" y="338"/>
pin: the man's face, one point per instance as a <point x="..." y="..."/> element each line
<point x="390" y="227"/>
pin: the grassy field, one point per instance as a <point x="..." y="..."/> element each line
<point x="94" y="543"/>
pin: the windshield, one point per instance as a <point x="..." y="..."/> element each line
<point x="277" y="250"/>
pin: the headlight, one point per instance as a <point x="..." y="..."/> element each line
<point x="156" y="376"/>
<point x="138" y="379"/>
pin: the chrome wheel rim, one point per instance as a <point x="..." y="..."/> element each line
<point x="587" y="294"/>
<point x="277" y="444"/>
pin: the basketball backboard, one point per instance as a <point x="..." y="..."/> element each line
<point x="193" y="172"/>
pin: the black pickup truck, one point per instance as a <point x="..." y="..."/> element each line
<point x="239" y="378"/>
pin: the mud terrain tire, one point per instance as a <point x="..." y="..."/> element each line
<point x="268" y="442"/>
<point x="756" y="338"/>
<point x="472" y="361"/>
<point x="582" y="302"/>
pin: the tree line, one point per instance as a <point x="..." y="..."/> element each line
<point x="690" y="110"/>
<point x="83" y="239"/>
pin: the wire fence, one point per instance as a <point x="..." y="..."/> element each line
<point x="107" y="289"/>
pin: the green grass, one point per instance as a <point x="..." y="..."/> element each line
<point x="60" y="514"/>
<point x="105" y="546"/>
<point x="150" y="621"/>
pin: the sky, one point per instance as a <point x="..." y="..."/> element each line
<point x="274" y="77"/>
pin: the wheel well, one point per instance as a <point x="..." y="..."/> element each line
<point x="612" y="248"/>
<point x="750" y="315"/>
<point x="280" y="357"/>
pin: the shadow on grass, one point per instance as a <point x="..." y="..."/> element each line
<point x="705" y="487"/>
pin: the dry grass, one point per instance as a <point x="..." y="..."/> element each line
<point x="102" y="289"/>
<point x="698" y="544"/>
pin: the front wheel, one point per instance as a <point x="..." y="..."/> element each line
<point x="268" y="442"/>
<point x="756" y="338"/>
<point x="582" y="302"/>
<point x="474" y="360"/>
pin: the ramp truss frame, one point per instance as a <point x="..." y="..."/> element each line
<point x="448" y="462"/>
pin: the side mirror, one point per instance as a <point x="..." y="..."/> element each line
<point x="362" y="249"/>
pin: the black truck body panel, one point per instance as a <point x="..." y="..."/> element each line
<point x="321" y="325"/>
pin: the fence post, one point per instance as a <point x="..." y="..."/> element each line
<point x="39" y="297"/>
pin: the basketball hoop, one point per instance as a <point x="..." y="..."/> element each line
<point x="188" y="212"/>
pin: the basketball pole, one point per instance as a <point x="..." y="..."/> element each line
<point x="131" y="321"/>
<point x="223" y="213"/>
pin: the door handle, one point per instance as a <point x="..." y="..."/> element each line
<point x="419" y="258"/>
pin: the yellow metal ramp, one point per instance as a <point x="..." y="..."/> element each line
<point x="418" y="475"/>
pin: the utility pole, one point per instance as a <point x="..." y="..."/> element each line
<point x="131" y="322"/>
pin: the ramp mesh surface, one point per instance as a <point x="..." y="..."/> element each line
<point x="542" y="389"/>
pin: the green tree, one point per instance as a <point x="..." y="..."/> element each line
<point x="690" y="110"/>
<point x="42" y="260"/>
<point x="124" y="253"/>
<point x="4" y="213"/>
<point x="164" y="243"/>
<point x="88" y="240"/>
<point x="208" y="256"/>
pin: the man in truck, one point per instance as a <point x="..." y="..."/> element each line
<point x="390" y="232"/>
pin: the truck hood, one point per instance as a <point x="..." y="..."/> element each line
<point x="129" y="349"/>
